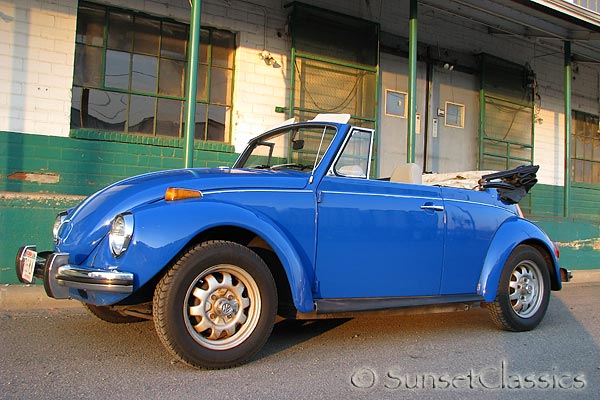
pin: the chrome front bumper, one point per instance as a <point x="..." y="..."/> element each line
<point x="59" y="276"/>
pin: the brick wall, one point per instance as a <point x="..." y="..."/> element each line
<point x="37" y="43"/>
<point x="93" y="160"/>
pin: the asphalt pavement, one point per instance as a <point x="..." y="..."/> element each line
<point x="55" y="350"/>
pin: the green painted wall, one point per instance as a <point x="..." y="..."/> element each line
<point x="43" y="175"/>
<point x="578" y="236"/>
<point x="91" y="160"/>
<point x="27" y="219"/>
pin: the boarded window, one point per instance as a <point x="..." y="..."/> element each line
<point x="585" y="148"/>
<point x="507" y="136"/>
<point x="335" y="65"/>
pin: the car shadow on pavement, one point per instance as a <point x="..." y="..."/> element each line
<point x="288" y="333"/>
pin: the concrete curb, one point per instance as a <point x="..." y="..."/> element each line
<point x="32" y="297"/>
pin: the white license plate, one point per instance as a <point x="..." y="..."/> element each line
<point x="29" y="260"/>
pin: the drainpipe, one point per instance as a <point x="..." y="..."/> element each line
<point x="192" y="78"/>
<point x="412" y="83"/>
<point x="568" y="112"/>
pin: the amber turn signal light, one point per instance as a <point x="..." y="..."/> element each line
<point x="173" y="194"/>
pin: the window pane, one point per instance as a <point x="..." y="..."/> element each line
<point x="454" y="115"/>
<point x="141" y="114"/>
<point x="90" y="26"/>
<point x="168" y="117"/>
<point x="103" y="110"/>
<point x="216" y="123"/>
<point x="354" y="160"/>
<point x="223" y="46"/>
<point x="88" y="66"/>
<point x="579" y="146"/>
<point x="200" y="122"/>
<point x="203" y="51"/>
<point x="143" y="74"/>
<point x="174" y="41"/>
<point x="201" y="93"/>
<point x="171" y="78"/>
<point x="147" y="32"/>
<point x="220" y="86"/>
<point x="395" y="103"/>
<point x="117" y="70"/>
<point x="76" y="107"/>
<point x="120" y="31"/>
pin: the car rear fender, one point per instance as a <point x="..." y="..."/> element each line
<point x="184" y="220"/>
<point x="512" y="233"/>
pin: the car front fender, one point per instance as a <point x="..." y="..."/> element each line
<point x="511" y="234"/>
<point x="162" y="230"/>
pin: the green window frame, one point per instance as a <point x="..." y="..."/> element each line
<point x="506" y="126"/>
<point x="585" y="148"/>
<point x="130" y="70"/>
<point x="334" y="65"/>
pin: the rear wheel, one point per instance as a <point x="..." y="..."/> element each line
<point x="523" y="291"/>
<point x="108" y="314"/>
<point x="216" y="307"/>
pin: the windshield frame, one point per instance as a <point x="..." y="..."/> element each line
<point x="255" y="142"/>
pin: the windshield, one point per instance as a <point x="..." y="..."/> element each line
<point x="298" y="148"/>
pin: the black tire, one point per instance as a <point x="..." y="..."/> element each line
<point x="523" y="291"/>
<point x="216" y="306"/>
<point x="108" y="314"/>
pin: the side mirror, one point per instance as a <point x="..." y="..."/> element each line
<point x="298" y="144"/>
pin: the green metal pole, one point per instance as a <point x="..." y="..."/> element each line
<point x="412" y="83"/>
<point x="192" y="78"/>
<point x="568" y="112"/>
<point x="481" y="162"/>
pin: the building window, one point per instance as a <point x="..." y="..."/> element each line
<point x="395" y="103"/>
<point x="455" y="115"/>
<point x="585" y="148"/>
<point x="130" y="69"/>
<point x="334" y="65"/>
<point x="507" y="132"/>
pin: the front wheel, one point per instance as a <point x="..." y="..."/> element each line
<point x="216" y="306"/>
<point x="523" y="291"/>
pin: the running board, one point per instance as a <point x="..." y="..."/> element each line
<point x="357" y="307"/>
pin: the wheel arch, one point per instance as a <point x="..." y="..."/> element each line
<point x="222" y="221"/>
<point x="255" y="242"/>
<point x="511" y="234"/>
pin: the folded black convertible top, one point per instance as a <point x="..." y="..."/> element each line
<point x="512" y="184"/>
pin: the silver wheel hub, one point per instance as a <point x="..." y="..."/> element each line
<point x="222" y="307"/>
<point x="526" y="289"/>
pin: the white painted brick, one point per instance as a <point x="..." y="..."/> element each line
<point x="41" y="19"/>
<point x="49" y="56"/>
<point x="63" y="70"/>
<point x="35" y="65"/>
<point x="14" y="63"/>
<point x="63" y="46"/>
<point x="235" y="14"/>
<point x="37" y="92"/>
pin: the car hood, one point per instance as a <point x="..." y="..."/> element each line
<point x="89" y="222"/>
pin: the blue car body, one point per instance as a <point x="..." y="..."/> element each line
<point x="337" y="239"/>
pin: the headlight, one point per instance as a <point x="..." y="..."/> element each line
<point x="60" y="219"/>
<point x="120" y="234"/>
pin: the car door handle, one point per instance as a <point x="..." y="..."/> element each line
<point x="432" y="207"/>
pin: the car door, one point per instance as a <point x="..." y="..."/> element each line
<point x="377" y="238"/>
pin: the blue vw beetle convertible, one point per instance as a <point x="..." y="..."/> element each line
<point x="297" y="227"/>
